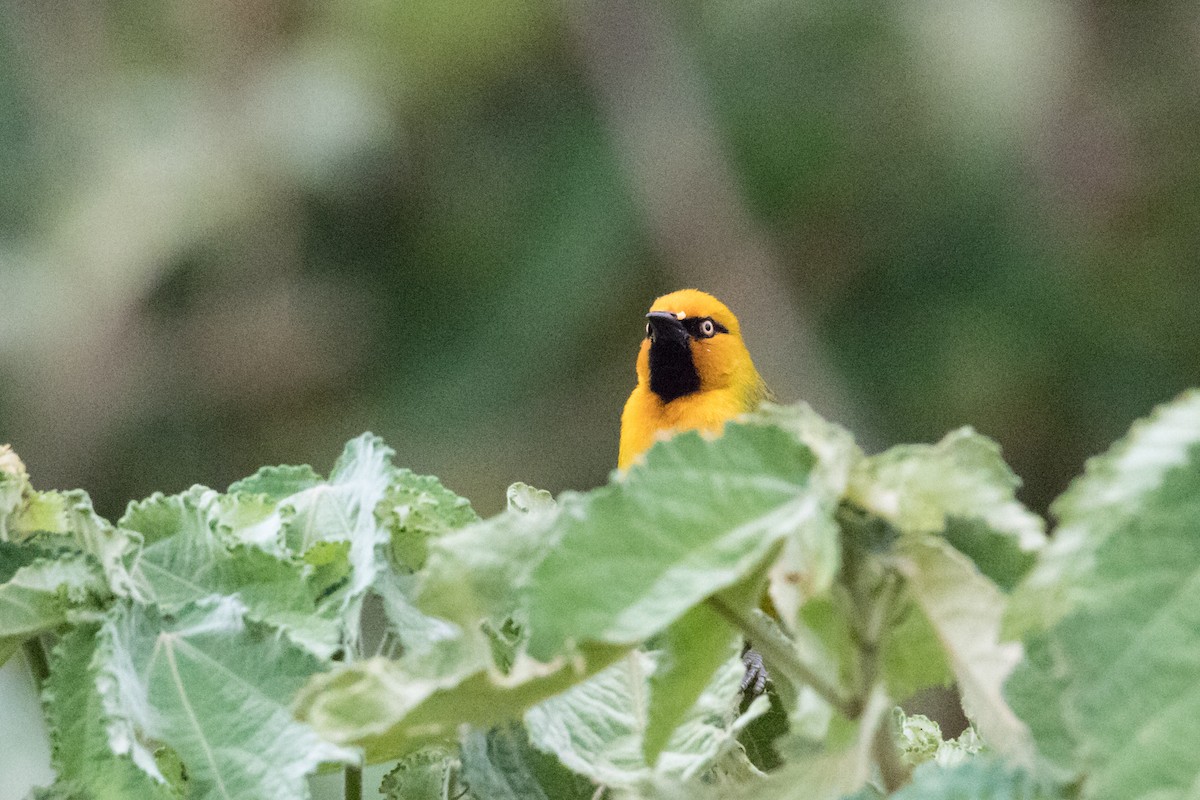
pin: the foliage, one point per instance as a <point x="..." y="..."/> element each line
<point x="209" y="645"/>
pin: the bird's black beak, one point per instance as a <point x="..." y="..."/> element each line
<point x="666" y="327"/>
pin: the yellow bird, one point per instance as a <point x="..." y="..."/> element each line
<point x="693" y="373"/>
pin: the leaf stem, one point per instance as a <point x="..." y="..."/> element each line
<point x="782" y="658"/>
<point x="887" y="756"/>
<point x="35" y="656"/>
<point x="353" y="790"/>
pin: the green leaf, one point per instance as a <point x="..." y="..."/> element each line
<point x="1036" y="691"/>
<point x="432" y="647"/>
<point x="253" y="509"/>
<point x="624" y="561"/>
<point x="330" y="565"/>
<point x="920" y="740"/>
<point x="96" y="536"/>
<point x="483" y="571"/>
<point x="344" y="510"/>
<point x="180" y="553"/>
<point x="960" y="488"/>
<point x="276" y="483"/>
<point x="86" y="765"/>
<point x="964" y="610"/>
<point x="1103" y="502"/>
<point x="185" y="560"/>
<point x="998" y="555"/>
<point x="843" y="763"/>
<point x="500" y="765"/>
<point x="418" y="508"/>
<point x="429" y="774"/>
<point x="695" y="518"/>
<point x="1110" y="689"/>
<point x="597" y="728"/>
<point x="40" y="512"/>
<point x="59" y="790"/>
<point x="279" y="593"/>
<point x="40" y="588"/>
<point x="913" y="656"/>
<point x="507" y="641"/>
<point x="217" y="690"/>
<point x="690" y="653"/>
<point x="974" y="779"/>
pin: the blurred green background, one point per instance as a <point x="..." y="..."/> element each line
<point x="240" y="233"/>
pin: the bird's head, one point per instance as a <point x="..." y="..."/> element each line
<point x="693" y="344"/>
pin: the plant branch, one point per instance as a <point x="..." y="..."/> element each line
<point x="883" y="747"/>
<point x="782" y="658"/>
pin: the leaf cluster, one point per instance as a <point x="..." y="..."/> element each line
<point x="591" y="645"/>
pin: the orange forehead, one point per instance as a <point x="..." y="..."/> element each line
<point x="695" y="303"/>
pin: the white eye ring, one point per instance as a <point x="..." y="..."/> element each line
<point x="647" y="330"/>
<point x="707" y="328"/>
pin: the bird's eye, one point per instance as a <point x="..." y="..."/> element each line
<point x="707" y="328"/>
<point x="647" y="330"/>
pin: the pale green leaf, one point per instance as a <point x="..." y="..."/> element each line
<point x="977" y="778"/>
<point x="185" y="559"/>
<point x="82" y="757"/>
<point x="253" y="509"/>
<point x="960" y="486"/>
<point x="109" y="545"/>
<point x="343" y="509"/>
<point x="483" y="571"/>
<point x="431" y="647"/>
<point x="811" y="556"/>
<point x="837" y="453"/>
<point x="1104" y="501"/>
<point x="389" y="711"/>
<point x="695" y="518"/>
<point x="1110" y="690"/>
<point x="217" y="690"/>
<point x="525" y="498"/>
<point x="59" y="790"/>
<point x="597" y="728"/>
<point x="252" y="519"/>
<point x="177" y="561"/>
<point x="14" y="484"/>
<point x="39" y="512"/>
<point x="964" y="610"/>
<point x="279" y="593"/>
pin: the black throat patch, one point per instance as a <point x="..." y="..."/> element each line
<point x="672" y="371"/>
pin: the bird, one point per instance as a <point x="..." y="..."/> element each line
<point x="693" y="373"/>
